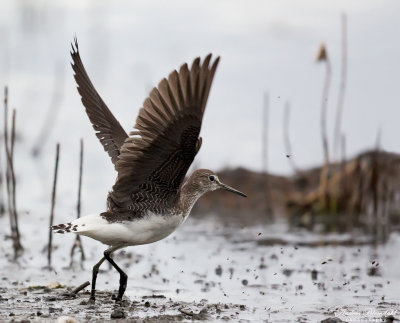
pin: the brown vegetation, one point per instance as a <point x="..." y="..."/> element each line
<point x="361" y="193"/>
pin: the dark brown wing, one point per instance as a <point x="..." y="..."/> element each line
<point x="108" y="129"/>
<point x="154" y="160"/>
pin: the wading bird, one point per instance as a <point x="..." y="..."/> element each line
<point x="150" y="198"/>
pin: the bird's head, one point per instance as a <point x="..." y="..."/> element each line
<point x="204" y="180"/>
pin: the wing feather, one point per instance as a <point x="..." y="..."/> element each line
<point x="108" y="129"/>
<point x="154" y="160"/>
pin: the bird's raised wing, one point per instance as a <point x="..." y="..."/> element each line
<point x="108" y="129"/>
<point x="155" y="158"/>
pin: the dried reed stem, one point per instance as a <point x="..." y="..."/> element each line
<point x="7" y="155"/>
<point x="374" y="187"/>
<point x="10" y="178"/>
<point x="324" y="107"/>
<point x="13" y="181"/>
<point x="2" y="201"/>
<point x="342" y="88"/>
<point x="78" y="241"/>
<point x="8" y="185"/>
<point x="78" y="205"/>
<point x="53" y="201"/>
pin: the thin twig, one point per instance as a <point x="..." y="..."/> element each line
<point x="10" y="178"/>
<point x="13" y="180"/>
<point x="78" y="205"/>
<point x="374" y="189"/>
<point x="53" y="201"/>
<point x="342" y="88"/>
<point x="324" y="107"/>
<point x="8" y="184"/>
<point x="374" y="185"/>
<point x="2" y="201"/>
<point x="78" y="241"/>
<point x="80" y="287"/>
<point x="12" y="134"/>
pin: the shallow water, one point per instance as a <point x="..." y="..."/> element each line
<point x="255" y="274"/>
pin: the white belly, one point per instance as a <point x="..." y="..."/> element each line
<point x="148" y="229"/>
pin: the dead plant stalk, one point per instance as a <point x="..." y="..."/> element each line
<point x="53" y="201"/>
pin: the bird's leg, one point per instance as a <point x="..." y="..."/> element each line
<point x="123" y="280"/>
<point x="94" y="277"/>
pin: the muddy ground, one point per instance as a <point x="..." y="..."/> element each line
<point x="40" y="303"/>
<point x="209" y="272"/>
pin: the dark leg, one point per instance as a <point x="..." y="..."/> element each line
<point x="94" y="277"/>
<point x="123" y="280"/>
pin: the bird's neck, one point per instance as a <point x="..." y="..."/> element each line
<point x="189" y="194"/>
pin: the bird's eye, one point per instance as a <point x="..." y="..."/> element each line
<point x="211" y="178"/>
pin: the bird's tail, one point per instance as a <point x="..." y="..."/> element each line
<point x="64" y="228"/>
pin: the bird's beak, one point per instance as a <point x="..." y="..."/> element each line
<point x="230" y="189"/>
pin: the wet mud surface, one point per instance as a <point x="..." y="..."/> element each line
<point x="40" y="303"/>
<point x="208" y="272"/>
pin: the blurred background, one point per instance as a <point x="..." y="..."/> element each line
<point x="287" y="68"/>
<point x="266" y="48"/>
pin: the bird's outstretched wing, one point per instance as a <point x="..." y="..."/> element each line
<point x="108" y="129"/>
<point x="155" y="158"/>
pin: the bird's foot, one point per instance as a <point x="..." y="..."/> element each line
<point x="91" y="300"/>
<point x="117" y="299"/>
